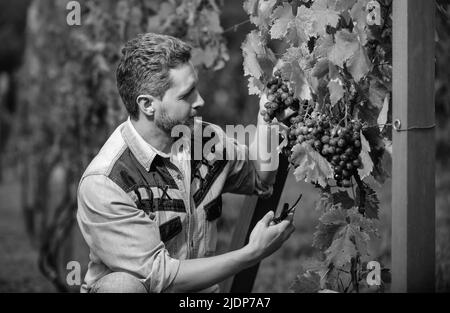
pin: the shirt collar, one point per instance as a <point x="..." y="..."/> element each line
<point x="144" y="152"/>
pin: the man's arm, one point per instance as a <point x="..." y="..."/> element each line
<point x="127" y="240"/>
<point x="197" y="274"/>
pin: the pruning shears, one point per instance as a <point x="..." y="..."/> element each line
<point x="286" y="210"/>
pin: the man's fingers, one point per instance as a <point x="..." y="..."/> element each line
<point x="290" y="217"/>
<point x="267" y="218"/>
<point x="282" y="116"/>
<point x="288" y="231"/>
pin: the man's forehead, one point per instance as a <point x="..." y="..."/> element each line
<point x="183" y="75"/>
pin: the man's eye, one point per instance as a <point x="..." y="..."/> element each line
<point x="188" y="94"/>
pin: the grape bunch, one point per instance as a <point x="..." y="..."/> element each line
<point x="280" y="97"/>
<point x="340" y="146"/>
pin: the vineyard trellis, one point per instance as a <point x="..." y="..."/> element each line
<point x="334" y="61"/>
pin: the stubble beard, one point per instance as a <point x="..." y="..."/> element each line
<point x="166" y="123"/>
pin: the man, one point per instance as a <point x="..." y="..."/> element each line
<point x="148" y="212"/>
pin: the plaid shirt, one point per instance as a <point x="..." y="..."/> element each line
<point x="141" y="211"/>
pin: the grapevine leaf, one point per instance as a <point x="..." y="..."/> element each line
<point x="361" y="239"/>
<point x="359" y="64"/>
<point x="312" y="265"/>
<point x="292" y="71"/>
<point x="281" y="17"/>
<point x="252" y="49"/>
<point x="336" y="216"/>
<point x="383" y="117"/>
<point x="324" y="235"/>
<point x="346" y="46"/>
<point x="308" y="282"/>
<point x="336" y="91"/>
<point x="369" y="226"/>
<point x="377" y="94"/>
<point x="302" y="27"/>
<point x="342" y="250"/>
<point x="251" y="7"/>
<point x="321" y="68"/>
<point x="259" y="11"/>
<point x="324" y="16"/>
<point x="371" y="202"/>
<point x="366" y="160"/>
<point x="323" y="47"/>
<point x="325" y="201"/>
<point x="310" y="165"/>
<point x="343" y="5"/>
<point x="255" y="87"/>
<point x="342" y="198"/>
<point x="384" y="165"/>
<point x="359" y="17"/>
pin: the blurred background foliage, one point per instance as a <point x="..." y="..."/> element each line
<point x="59" y="103"/>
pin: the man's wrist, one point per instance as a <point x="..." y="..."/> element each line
<point x="249" y="255"/>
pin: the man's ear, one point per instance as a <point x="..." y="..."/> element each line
<point x="145" y="104"/>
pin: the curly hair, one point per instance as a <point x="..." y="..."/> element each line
<point x="144" y="67"/>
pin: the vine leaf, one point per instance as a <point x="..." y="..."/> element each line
<point x="336" y="216"/>
<point x="325" y="201"/>
<point x="310" y="165"/>
<point x="292" y="71"/>
<point x="342" y="198"/>
<point x="253" y="49"/>
<point x="309" y="282"/>
<point x="324" y="235"/>
<point x="342" y="250"/>
<point x="371" y="202"/>
<point x="324" y="16"/>
<point x="321" y="69"/>
<point x="343" y="5"/>
<point x="282" y="18"/>
<point x="361" y="239"/>
<point x="302" y="27"/>
<point x="259" y="11"/>
<point x="336" y="90"/>
<point x="359" y="17"/>
<point x="366" y="160"/>
<point x="383" y="117"/>
<point x="346" y="46"/>
<point x="359" y="64"/>
<point x="369" y="226"/>
<point x="255" y="87"/>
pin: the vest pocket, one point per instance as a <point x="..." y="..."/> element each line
<point x="213" y="210"/>
<point x="170" y="229"/>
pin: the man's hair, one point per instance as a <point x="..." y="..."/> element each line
<point x="144" y="67"/>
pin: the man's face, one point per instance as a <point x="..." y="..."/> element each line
<point x="181" y="101"/>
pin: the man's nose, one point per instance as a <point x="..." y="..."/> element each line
<point x="199" y="103"/>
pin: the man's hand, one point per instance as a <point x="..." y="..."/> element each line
<point x="266" y="238"/>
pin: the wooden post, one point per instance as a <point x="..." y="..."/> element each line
<point x="251" y="212"/>
<point x="413" y="170"/>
